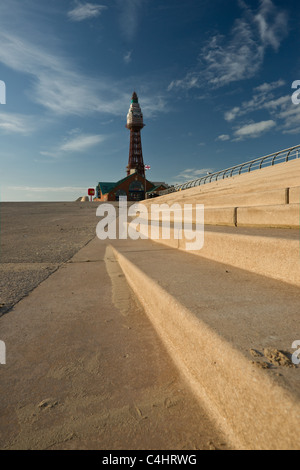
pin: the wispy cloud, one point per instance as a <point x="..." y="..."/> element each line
<point x="78" y="144"/>
<point x="57" y="85"/>
<point x="254" y="130"/>
<point x="232" y="114"/>
<point x="223" y="137"/>
<point x="272" y="24"/>
<point x="60" y="88"/>
<point x="268" y="87"/>
<point x="154" y="105"/>
<point x="276" y="107"/>
<point x="82" y="143"/>
<point x="129" y="16"/>
<point x="84" y="11"/>
<point x="263" y="98"/>
<point x="191" y="174"/>
<point x="16" y="124"/>
<point x="289" y="114"/>
<point x="128" y="57"/>
<point x="223" y="61"/>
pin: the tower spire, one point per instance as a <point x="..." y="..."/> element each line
<point x="135" y="123"/>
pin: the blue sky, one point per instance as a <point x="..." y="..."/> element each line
<point x="213" y="77"/>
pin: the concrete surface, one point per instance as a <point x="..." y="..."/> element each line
<point x="234" y="199"/>
<point x="294" y="195"/>
<point x="285" y="216"/>
<point x="219" y="323"/>
<point x="35" y="239"/>
<point x="273" y="216"/>
<point x="274" y="253"/>
<point x="85" y="368"/>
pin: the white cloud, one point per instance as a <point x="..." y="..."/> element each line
<point x="153" y="106"/>
<point x="232" y="114"/>
<point x="241" y="58"/>
<point x="84" y="11"/>
<point x="82" y="143"/>
<point x="290" y="115"/>
<point x="192" y="80"/>
<point x="273" y="104"/>
<point x="271" y="24"/>
<point x="57" y="85"/>
<point x="277" y="108"/>
<point x="56" y="82"/>
<point x="263" y="98"/>
<point x="129" y="16"/>
<point x="79" y="144"/>
<point x="191" y="174"/>
<point x="15" y="124"/>
<point x="254" y="130"/>
<point x="223" y="137"/>
<point x="60" y="88"/>
<point x="223" y="61"/>
<point x="268" y="87"/>
<point x="128" y="57"/>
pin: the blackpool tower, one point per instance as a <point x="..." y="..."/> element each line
<point x="135" y="124"/>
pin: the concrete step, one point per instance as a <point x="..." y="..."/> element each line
<point x="269" y="252"/>
<point x="264" y="198"/>
<point x="243" y="199"/>
<point x="294" y="195"/>
<point x="269" y="216"/>
<point x="281" y="176"/>
<point x="223" y="198"/>
<point x="281" y="216"/>
<point x="225" y="329"/>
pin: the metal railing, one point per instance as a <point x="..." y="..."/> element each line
<point x="262" y="162"/>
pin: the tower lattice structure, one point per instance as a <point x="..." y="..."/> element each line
<point x="135" y="123"/>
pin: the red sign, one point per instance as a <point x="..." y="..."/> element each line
<point x="91" y="192"/>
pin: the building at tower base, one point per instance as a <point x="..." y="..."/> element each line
<point x="133" y="187"/>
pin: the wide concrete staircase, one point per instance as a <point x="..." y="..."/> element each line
<point x="228" y="313"/>
<point x="251" y="221"/>
<point x="263" y="198"/>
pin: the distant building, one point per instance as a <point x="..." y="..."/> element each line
<point x="135" y="186"/>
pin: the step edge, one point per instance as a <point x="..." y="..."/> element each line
<point x="244" y="364"/>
